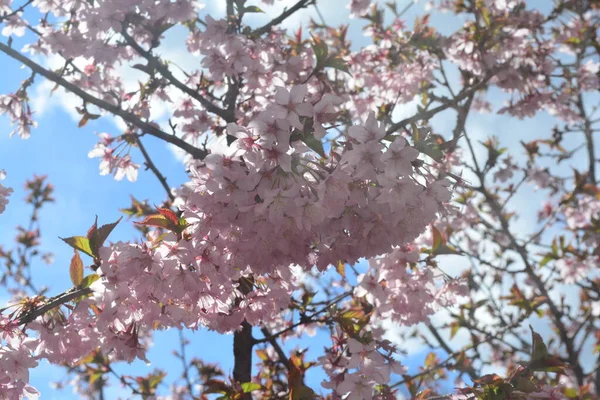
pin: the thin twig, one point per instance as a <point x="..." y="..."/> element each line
<point x="155" y="62"/>
<point x="283" y="16"/>
<point x="146" y="127"/>
<point x="150" y="164"/>
<point x="271" y="339"/>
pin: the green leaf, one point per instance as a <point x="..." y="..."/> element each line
<point x="314" y="144"/>
<point x="320" y="49"/>
<point x="248" y="387"/>
<point x="427" y="143"/>
<point x="454" y="327"/>
<point x="341" y="268"/>
<point x="445" y="249"/>
<point x="95" y="376"/>
<point x="88" y="280"/>
<point x="486" y="16"/>
<point x="253" y="9"/>
<point x="76" y="269"/>
<point x="155" y="379"/>
<point x="337" y="63"/>
<point x="438" y="238"/>
<point x="547" y="258"/>
<point x="79" y="243"/>
<point x="539" y="351"/>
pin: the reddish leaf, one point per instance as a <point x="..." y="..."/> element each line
<point x="105" y="230"/>
<point x="157" y="220"/>
<point x="97" y="236"/>
<point x="489" y="379"/>
<point x="170" y="215"/>
<point x="83" y="121"/>
<point x="76" y="269"/>
<point x="92" y="230"/>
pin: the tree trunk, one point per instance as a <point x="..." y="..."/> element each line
<point x="242" y="347"/>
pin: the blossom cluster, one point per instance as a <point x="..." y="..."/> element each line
<point x="359" y="202"/>
<point x="20" y="114"/>
<point x="403" y="294"/>
<point x="16" y="359"/>
<point x="356" y="365"/>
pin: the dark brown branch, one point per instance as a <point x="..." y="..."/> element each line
<point x="242" y="353"/>
<point x="53" y="303"/>
<point x="111" y="108"/>
<point x="242" y="346"/>
<point x="15" y="12"/>
<point x="156" y="63"/>
<point x="597" y="373"/>
<point x="231" y="18"/>
<point x="425" y="115"/>
<point x="152" y="167"/>
<point x="304" y="321"/>
<point x="271" y="339"/>
<point x="470" y="370"/>
<point x="283" y="16"/>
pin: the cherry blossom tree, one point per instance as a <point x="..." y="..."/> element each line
<point x="316" y="202"/>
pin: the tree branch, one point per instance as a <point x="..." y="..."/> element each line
<point x="283" y="16"/>
<point x="449" y="104"/>
<point x="271" y="339"/>
<point x="155" y="62"/>
<point x="15" y="12"/>
<point x="242" y="347"/>
<point x="111" y="108"/>
<point x="152" y="167"/>
<point x="53" y="303"/>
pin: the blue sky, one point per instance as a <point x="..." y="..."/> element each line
<point x="59" y="149"/>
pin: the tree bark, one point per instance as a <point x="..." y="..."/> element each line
<point x="242" y="352"/>
<point x="242" y="347"/>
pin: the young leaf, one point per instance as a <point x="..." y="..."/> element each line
<point x="101" y="234"/>
<point x="454" y="327"/>
<point x="83" y="121"/>
<point x="88" y="280"/>
<point x="79" y="243"/>
<point x="248" y="387"/>
<point x="157" y="220"/>
<point x="341" y="268"/>
<point x="320" y="49"/>
<point x="170" y="215"/>
<point x="438" y="238"/>
<point x="253" y="9"/>
<point x="314" y="144"/>
<point x="337" y="63"/>
<point x="539" y="351"/>
<point x="427" y="143"/>
<point x="76" y="269"/>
